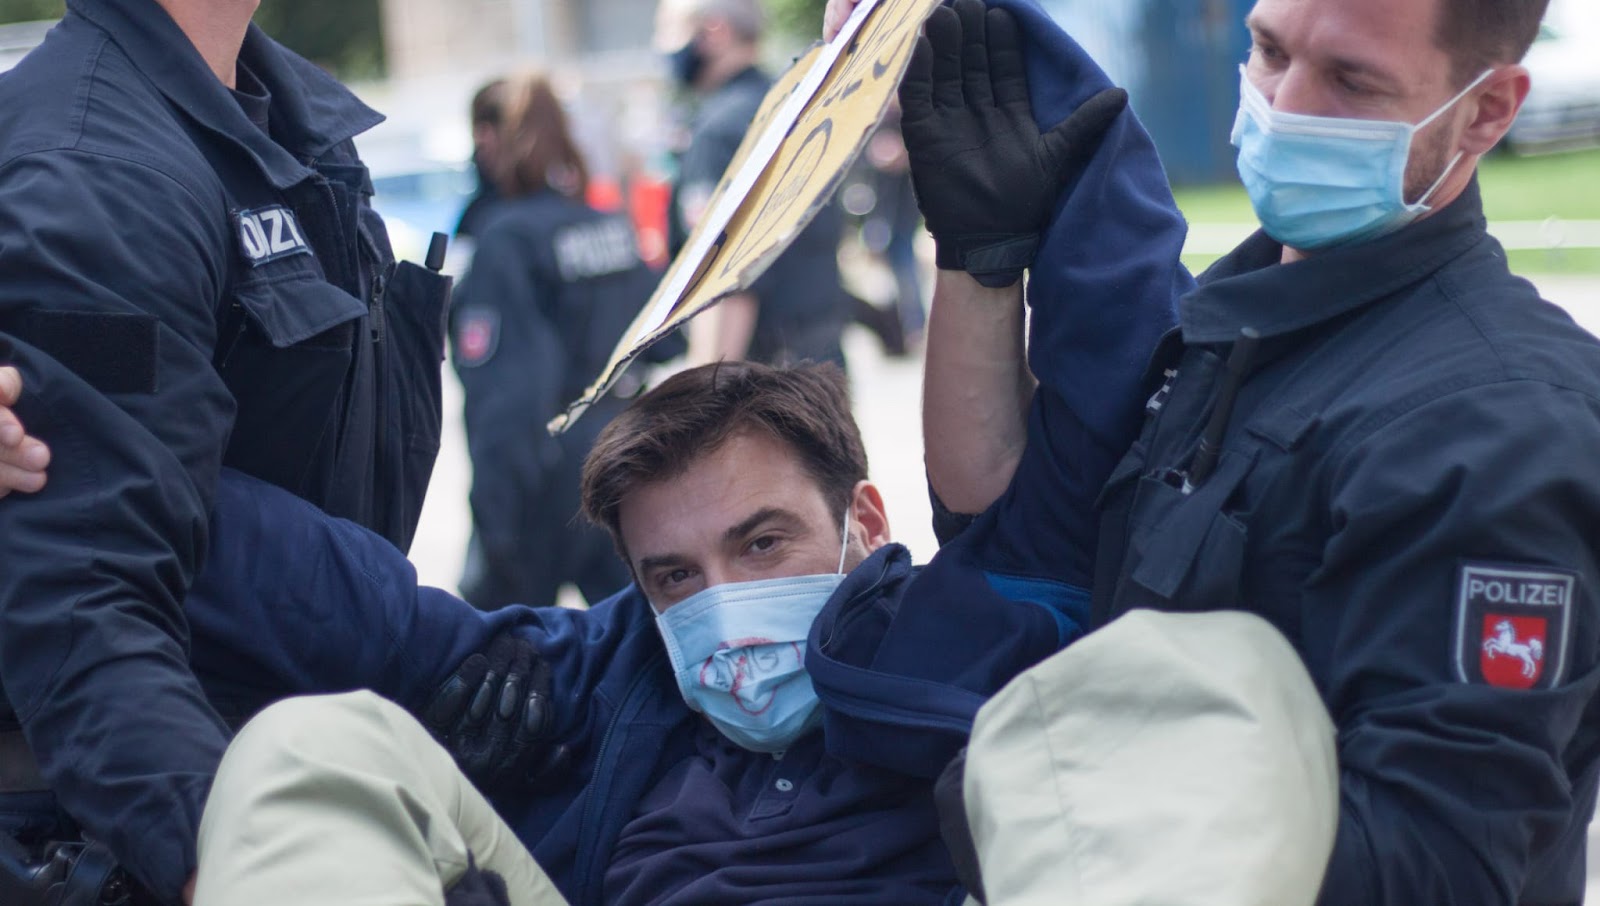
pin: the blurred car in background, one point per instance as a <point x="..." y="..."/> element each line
<point x="1563" y="107"/>
<point x="419" y="199"/>
<point x="418" y="190"/>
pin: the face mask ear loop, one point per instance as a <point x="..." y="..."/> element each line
<point x="1422" y="203"/>
<point x="1455" y="100"/>
<point x="844" y="545"/>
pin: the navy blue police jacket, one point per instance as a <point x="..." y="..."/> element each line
<point x="553" y="286"/>
<point x="659" y="807"/>
<point x="1406" y="489"/>
<point x="191" y="279"/>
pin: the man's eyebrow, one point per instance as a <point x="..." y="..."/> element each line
<point x="751" y="522"/>
<point x="746" y="526"/>
<point x="649" y="563"/>
<point x="1253" y="22"/>
<point x="1352" y="66"/>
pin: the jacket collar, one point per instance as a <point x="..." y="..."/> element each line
<point x="1249" y="288"/>
<point x="311" y="111"/>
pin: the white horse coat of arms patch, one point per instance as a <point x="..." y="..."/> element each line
<point x="1512" y="625"/>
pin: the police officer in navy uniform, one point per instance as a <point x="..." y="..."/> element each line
<point x="553" y="286"/>
<point x="797" y="309"/>
<point x="193" y="279"/>
<point x="1364" y="428"/>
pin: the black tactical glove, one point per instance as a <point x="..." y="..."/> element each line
<point x="494" y="715"/>
<point x="986" y="180"/>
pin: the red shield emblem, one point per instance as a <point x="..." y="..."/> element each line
<point x="1512" y="654"/>
<point x="477" y="336"/>
<point x="1513" y="623"/>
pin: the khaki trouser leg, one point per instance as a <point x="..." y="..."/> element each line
<point x="346" y="799"/>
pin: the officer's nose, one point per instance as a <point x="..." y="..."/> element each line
<point x="1297" y="89"/>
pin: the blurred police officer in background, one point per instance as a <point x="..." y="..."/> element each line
<point x="193" y="279"/>
<point x="553" y="286"/>
<point x="797" y="309"/>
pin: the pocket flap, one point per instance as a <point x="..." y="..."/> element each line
<point x="1181" y="522"/>
<point x="291" y="310"/>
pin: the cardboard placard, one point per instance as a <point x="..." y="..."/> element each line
<point x="809" y="130"/>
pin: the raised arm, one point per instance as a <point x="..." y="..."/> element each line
<point x="1024" y="157"/>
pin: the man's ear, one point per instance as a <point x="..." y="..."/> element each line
<point x="1497" y="103"/>
<point x="869" y="521"/>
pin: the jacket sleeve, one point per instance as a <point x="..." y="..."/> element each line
<point x="1452" y="787"/>
<point x="112" y="276"/>
<point x="1102" y="291"/>
<point x="514" y="389"/>
<point x="293" y="601"/>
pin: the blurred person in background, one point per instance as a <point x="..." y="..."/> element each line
<point x="878" y="197"/>
<point x="797" y="309"/>
<point x="485" y="112"/>
<point x="552" y="287"/>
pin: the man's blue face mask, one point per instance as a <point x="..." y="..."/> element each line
<point x="738" y="653"/>
<point x="1318" y="181"/>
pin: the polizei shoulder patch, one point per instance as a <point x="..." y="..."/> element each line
<point x="1513" y="624"/>
<point x="267" y="234"/>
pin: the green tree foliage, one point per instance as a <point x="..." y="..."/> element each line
<point x="799" y="21"/>
<point x="28" y="10"/>
<point x="345" y="36"/>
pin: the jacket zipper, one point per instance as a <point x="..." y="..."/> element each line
<point x="375" y="307"/>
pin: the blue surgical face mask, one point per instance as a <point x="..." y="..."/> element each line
<point x="738" y="653"/>
<point x="1319" y="181"/>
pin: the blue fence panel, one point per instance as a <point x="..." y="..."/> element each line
<point x="1179" y="60"/>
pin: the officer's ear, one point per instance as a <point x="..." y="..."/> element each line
<point x="1495" y="104"/>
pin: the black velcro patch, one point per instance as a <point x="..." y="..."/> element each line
<point x="113" y="352"/>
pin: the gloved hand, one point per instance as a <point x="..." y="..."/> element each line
<point x="986" y="180"/>
<point x="494" y="715"/>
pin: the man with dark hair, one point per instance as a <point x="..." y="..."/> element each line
<point x="699" y="411"/>
<point x="761" y="716"/>
<point x="1365" y="430"/>
<point x="738" y="493"/>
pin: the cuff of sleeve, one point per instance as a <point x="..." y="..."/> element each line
<point x="167" y="859"/>
<point x="947" y="525"/>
